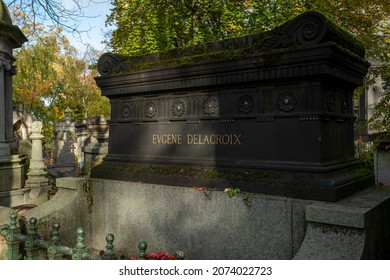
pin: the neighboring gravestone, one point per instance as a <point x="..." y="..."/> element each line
<point x="65" y="158"/>
<point x="94" y="152"/>
<point x="25" y="148"/>
<point x="22" y="121"/>
<point x="269" y="113"/>
<point x="382" y="162"/>
<point x="92" y="138"/>
<point x="12" y="167"/>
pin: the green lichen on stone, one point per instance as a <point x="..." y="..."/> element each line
<point x="362" y="171"/>
<point x="232" y="176"/>
<point x="89" y="195"/>
<point x="169" y="59"/>
<point x="344" y="38"/>
<point x="264" y="45"/>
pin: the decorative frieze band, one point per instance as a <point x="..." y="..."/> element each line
<point x="259" y="104"/>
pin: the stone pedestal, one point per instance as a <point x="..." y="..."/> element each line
<point x="12" y="172"/>
<point x="272" y="228"/>
<point x="12" y="180"/>
<point x="37" y="180"/>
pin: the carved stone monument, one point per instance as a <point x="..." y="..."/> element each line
<point x="268" y="113"/>
<point x="12" y="174"/>
<point x="37" y="181"/>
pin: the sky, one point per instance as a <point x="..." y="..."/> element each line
<point x="96" y="13"/>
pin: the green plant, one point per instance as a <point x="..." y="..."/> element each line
<point x="248" y="199"/>
<point x="232" y="191"/>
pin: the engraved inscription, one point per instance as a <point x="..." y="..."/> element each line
<point x="197" y="139"/>
<point x="167" y="139"/>
<point x="214" y="139"/>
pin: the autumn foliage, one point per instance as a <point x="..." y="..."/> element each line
<point x="52" y="75"/>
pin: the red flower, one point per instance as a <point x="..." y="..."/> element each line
<point x="156" y="256"/>
<point x="160" y="256"/>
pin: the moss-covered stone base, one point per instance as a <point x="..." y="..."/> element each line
<point x="329" y="186"/>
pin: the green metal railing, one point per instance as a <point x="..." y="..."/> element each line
<point x="33" y="244"/>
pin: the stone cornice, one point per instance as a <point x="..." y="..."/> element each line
<point x="315" y="60"/>
<point x="308" y="29"/>
<point x="13" y="34"/>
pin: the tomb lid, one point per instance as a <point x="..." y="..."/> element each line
<point x="308" y="29"/>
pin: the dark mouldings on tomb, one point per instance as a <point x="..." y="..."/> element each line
<point x="269" y="113"/>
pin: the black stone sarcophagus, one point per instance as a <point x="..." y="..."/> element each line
<point x="269" y="113"/>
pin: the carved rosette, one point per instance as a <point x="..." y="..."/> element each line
<point x="311" y="29"/>
<point x="178" y="108"/>
<point x="150" y="109"/>
<point x="126" y="110"/>
<point x="210" y="106"/>
<point x="308" y="32"/>
<point x="287" y="101"/>
<point x="246" y="103"/>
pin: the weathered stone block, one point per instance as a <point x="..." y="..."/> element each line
<point x="353" y="228"/>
